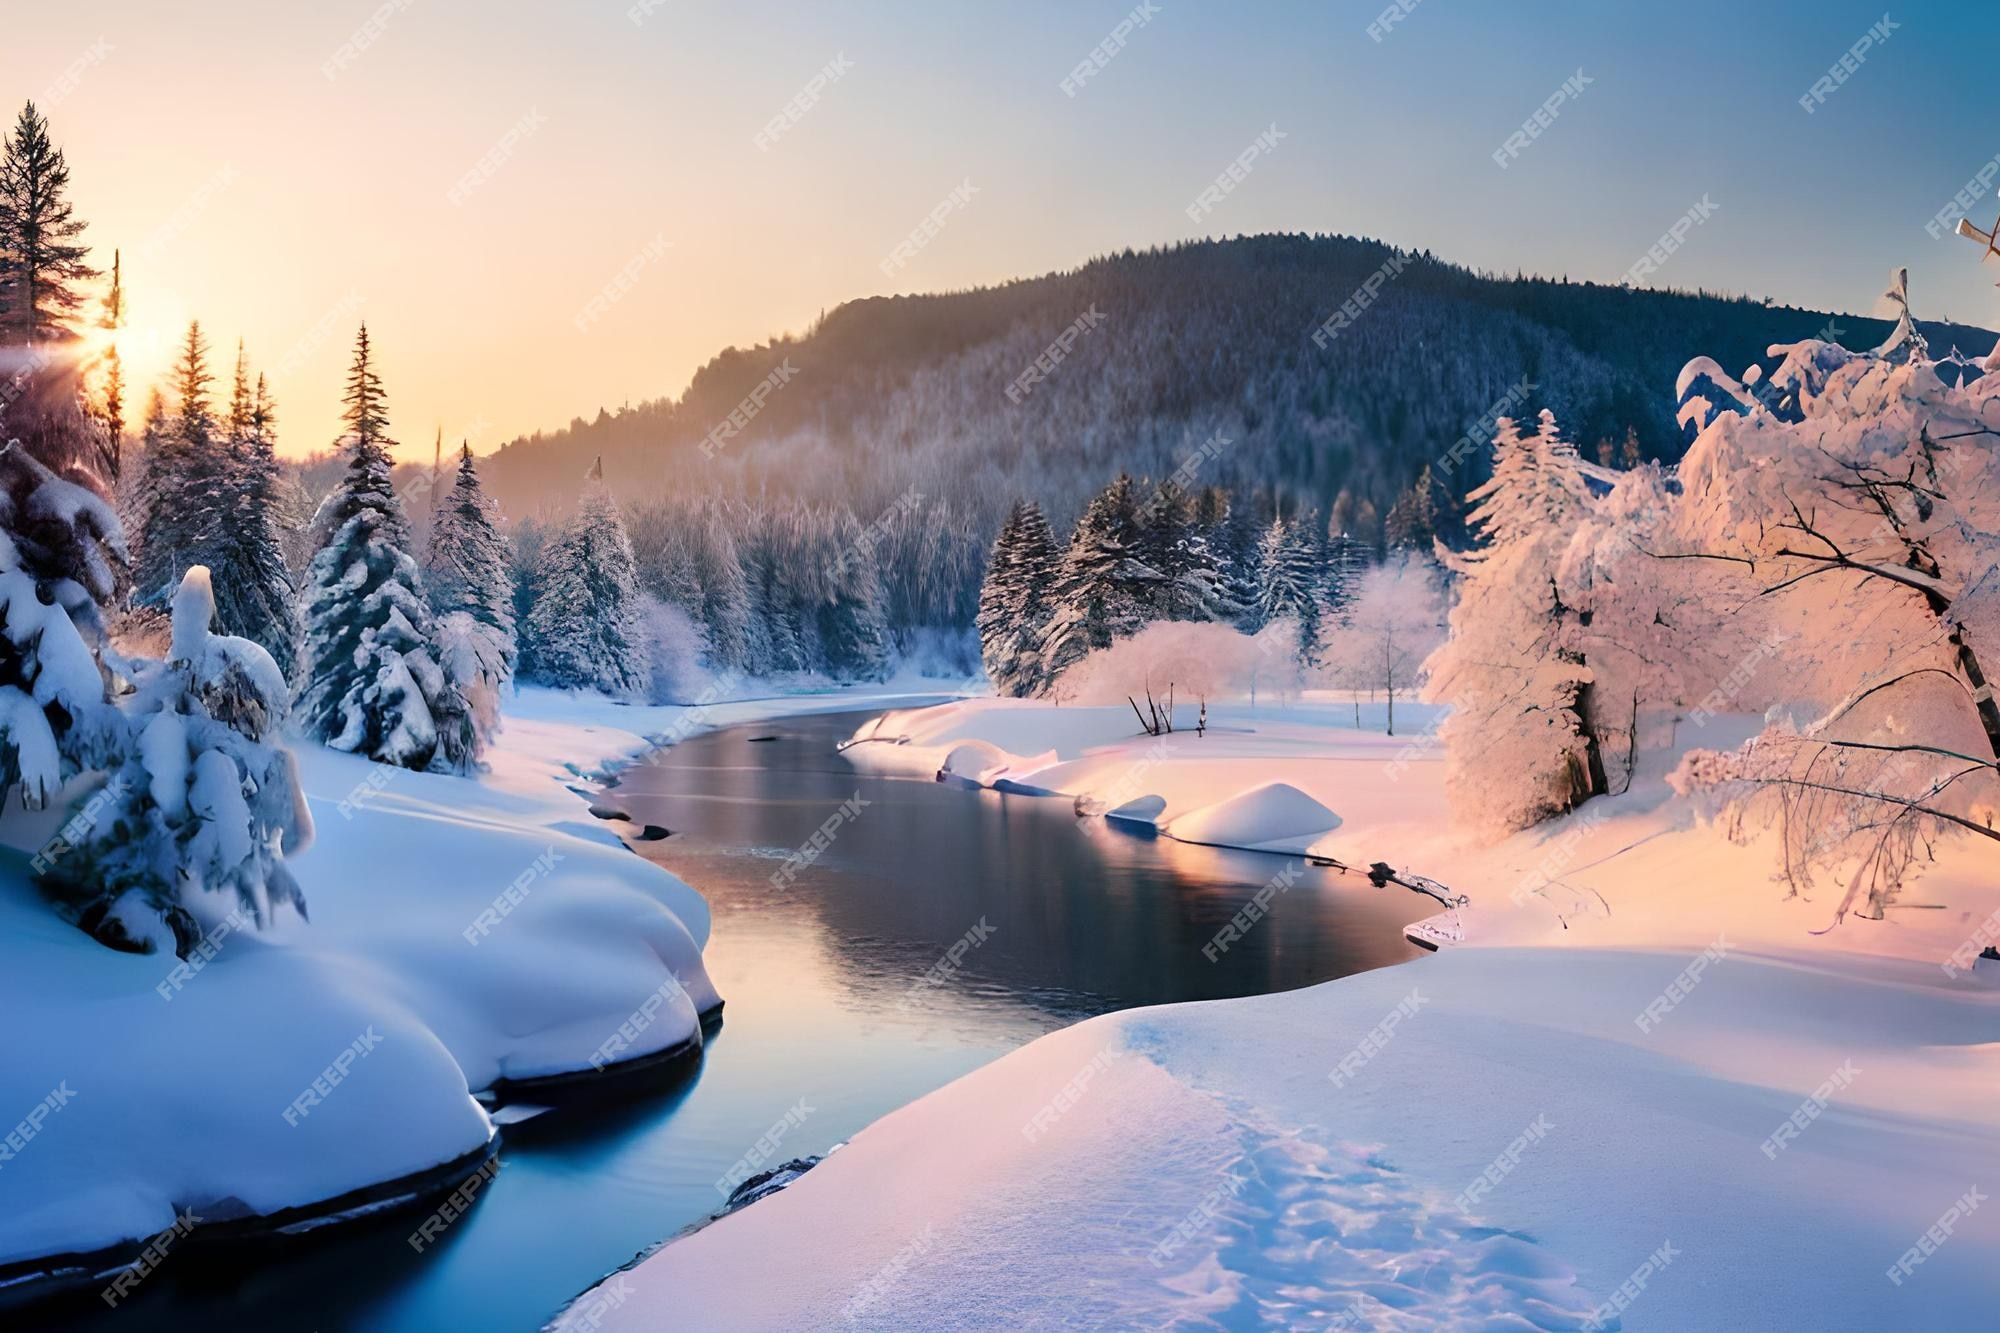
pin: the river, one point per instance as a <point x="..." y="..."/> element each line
<point x="828" y="1023"/>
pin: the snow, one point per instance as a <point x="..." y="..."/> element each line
<point x="463" y="932"/>
<point x="1575" y="1113"/>
<point x="1275" y="817"/>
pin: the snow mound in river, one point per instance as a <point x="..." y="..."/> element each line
<point x="1274" y="817"/>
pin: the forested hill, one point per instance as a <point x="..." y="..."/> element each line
<point x="886" y="394"/>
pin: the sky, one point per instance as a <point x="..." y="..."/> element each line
<point x="546" y="208"/>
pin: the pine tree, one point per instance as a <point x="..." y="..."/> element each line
<point x="1347" y="564"/>
<point x="1414" y="521"/>
<point x="253" y="587"/>
<point x="183" y="482"/>
<point x="852" y="629"/>
<point x="45" y="266"/>
<point x="472" y="593"/>
<point x="112" y="463"/>
<point x="1291" y="575"/>
<point x="1102" y="587"/>
<point x="1014" y="602"/>
<point x="584" y="631"/>
<point x="370" y="684"/>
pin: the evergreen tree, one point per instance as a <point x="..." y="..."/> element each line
<point x="181" y="492"/>
<point x="111" y="466"/>
<point x="853" y="632"/>
<point x="253" y="587"/>
<point x="1347" y="564"/>
<point x="1102" y="587"/>
<point x="584" y="632"/>
<point x="370" y="684"/>
<point x="1014" y="601"/>
<point x="45" y="266"/>
<point x="1290" y="579"/>
<point x="472" y="592"/>
<point x="1414" y="522"/>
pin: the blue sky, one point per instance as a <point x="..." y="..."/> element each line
<point x="336" y="192"/>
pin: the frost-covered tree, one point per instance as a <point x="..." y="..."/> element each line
<point x="1348" y="560"/>
<point x="471" y="591"/>
<point x="44" y="265"/>
<point x="1290" y="577"/>
<point x="204" y="799"/>
<point x="1102" y="586"/>
<point x="1396" y="619"/>
<point x="182" y="489"/>
<point x="1014" y="601"/>
<point x="254" y="596"/>
<point x="1519" y="745"/>
<point x="1865" y="536"/>
<point x="369" y="682"/>
<point x="584" y="630"/>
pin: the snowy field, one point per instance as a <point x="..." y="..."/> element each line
<point x="463" y="932"/>
<point x="1648" y="1090"/>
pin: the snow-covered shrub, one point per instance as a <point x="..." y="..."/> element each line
<point x="1197" y="659"/>
<point x="1394" y="621"/>
<point x="203" y="801"/>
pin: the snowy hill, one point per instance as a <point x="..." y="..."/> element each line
<point x="888" y="393"/>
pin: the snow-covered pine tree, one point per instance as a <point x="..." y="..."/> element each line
<point x="1347" y="564"/>
<point x="369" y="684"/>
<point x="204" y="799"/>
<point x="1290" y="579"/>
<point x="853" y="632"/>
<point x="472" y="592"/>
<point x="1014" y="603"/>
<point x="253" y="589"/>
<point x="1102" y="587"/>
<point x="584" y="631"/>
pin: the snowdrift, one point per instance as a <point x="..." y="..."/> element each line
<point x="1276" y="817"/>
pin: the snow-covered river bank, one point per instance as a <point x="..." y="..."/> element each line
<point x="938" y="930"/>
